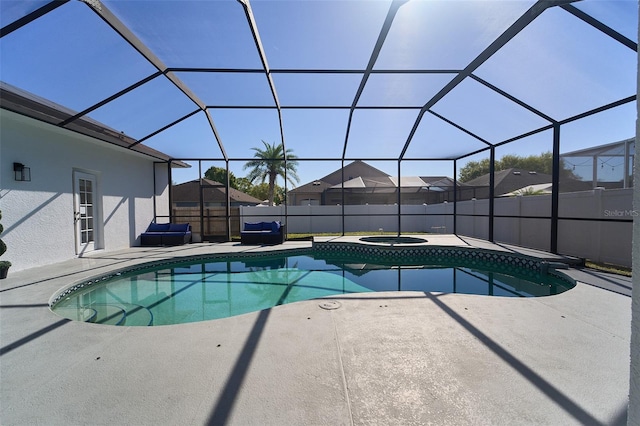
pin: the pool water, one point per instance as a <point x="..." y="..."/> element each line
<point x="219" y="289"/>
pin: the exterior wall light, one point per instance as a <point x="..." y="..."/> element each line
<point x="21" y="172"/>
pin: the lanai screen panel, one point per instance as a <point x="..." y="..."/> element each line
<point x="445" y="34"/>
<point x="353" y="79"/>
<point x="319" y="34"/>
<point x="71" y="57"/>
<point x="315" y="133"/>
<point x="486" y="113"/>
<point x="402" y="90"/>
<point x="242" y="129"/>
<point x="191" y="138"/>
<point x="379" y="133"/>
<point x="229" y="88"/>
<point x="137" y="113"/>
<point x="622" y="16"/>
<point x="192" y="34"/>
<point x="437" y="138"/>
<point x="11" y="11"/>
<point x="612" y="125"/>
<point x="316" y="89"/>
<point x="562" y="66"/>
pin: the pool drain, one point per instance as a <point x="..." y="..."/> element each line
<point x="330" y="304"/>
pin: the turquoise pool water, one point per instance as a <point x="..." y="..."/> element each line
<point x="214" y="289"/>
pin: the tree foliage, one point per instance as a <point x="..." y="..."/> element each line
<point x="542" y="163"/>
<point x="244" y="185"/>
<point x="474" y="169"/>
<point x="265" y="169"/>
<point x="218" y="174"/>
<point x="269" y="163"/>
<point x="261" y="192"/>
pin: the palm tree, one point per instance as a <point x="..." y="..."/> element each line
<point x="530" y="191"/>
<point x="269" y="163"/>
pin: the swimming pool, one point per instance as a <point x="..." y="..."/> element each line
<point x="211" y="288"/>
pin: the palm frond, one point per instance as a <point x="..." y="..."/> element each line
<point x="269" y="163"/>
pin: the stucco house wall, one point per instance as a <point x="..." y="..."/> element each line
<point x="38" y="215"/>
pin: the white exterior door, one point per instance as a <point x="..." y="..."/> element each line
<point x="84" y="212"/>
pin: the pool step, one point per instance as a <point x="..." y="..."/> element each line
<point x="121" y="314"/>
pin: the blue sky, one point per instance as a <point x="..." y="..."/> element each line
<point x="558" y="64"/>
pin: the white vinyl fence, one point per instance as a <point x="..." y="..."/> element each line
<point x="595" y="240"/>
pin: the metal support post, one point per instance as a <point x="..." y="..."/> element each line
<point x="492" y="170"/>
<point x="455" y="197"/>
<point x="555" y="188"/>
<point x="399" y="199"/>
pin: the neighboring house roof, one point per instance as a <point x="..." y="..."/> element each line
<point x="440" y="181"/>
<point x="213" y="192"/>
<point x="540" y="188"/>
<point x="360" y="175"/>
<point x="514" y="179"/>
<point x="353" y="183"/>
<point x="410" y="182"/>
<point x="360" y="182"/>
<point x="316" y="186"/>
<point x="353" y="170"/>
<point x="27" y="104"/>
<point x="380" y="182"/>
<point x="510" y="179"/>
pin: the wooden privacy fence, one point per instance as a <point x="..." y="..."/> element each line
<point x="214" y="222"/>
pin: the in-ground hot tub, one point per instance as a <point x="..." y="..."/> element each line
<point x="390" y="239"/>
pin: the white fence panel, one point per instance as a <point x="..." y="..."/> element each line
<point x="598" y="241"/>
<point x="371" y="218"/>
<point x="414" y="218"/>
<point x="439" y="219"/>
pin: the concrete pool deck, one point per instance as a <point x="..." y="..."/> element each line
<point x="379" y="358"/>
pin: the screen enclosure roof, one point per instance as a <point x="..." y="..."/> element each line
<point x="342" y="79"/>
